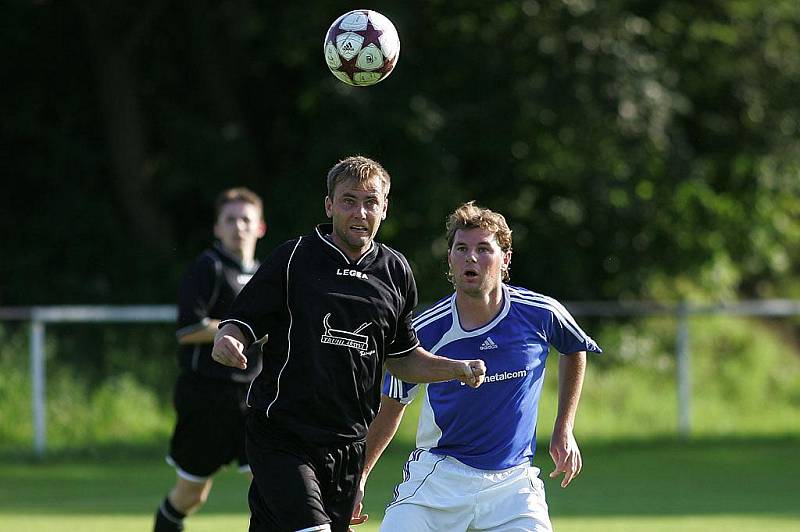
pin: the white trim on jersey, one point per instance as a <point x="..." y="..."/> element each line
<point x="433" y="313"/>
<point x="395" y="387"/>
<point x="548" y="303"/>
<point x="428" y="432"/>
<point x="345" y="257"/>
<point x="249" y="329"/>
<point x="457" y="332"/>
<point x="445" y="302"/>
<point x="317" y="528"/>
<point x="397" y="355"/>
<point x="288" y="332"/>
<point x="396" y="390"/>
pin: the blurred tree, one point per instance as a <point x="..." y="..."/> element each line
<point x="638" y="149"/>
<point x="114" y="36"/>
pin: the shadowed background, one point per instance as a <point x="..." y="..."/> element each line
<point x="640" y="150"/>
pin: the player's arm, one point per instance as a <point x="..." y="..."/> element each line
<point x="203" y="335"/>
<point x="563" y="447"/>
<point x="381" y="431"/>
<point x="421" y="366"/>
<point x="230" y="344"/>
<point x="195" y="298"/>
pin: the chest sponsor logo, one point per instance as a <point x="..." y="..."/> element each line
<point x="504" y="376"/>
<point x="345" y="338"/>
<point x="352" y="273"/>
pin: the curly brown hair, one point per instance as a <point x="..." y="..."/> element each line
<point x="471" y="216"/>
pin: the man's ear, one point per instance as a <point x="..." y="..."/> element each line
<point x="328" y="207"/>
<point x="507" y="259"/>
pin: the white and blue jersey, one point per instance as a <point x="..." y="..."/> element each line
<point x="494" y="426"/>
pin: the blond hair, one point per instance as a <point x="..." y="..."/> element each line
<point x="360" y="168"/>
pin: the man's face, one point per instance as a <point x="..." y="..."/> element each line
<point x="477" y="262"/>
<point x="356" y="210"/>
<point x="239" y="226"/>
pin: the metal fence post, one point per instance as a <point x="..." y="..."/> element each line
<point x="38" y="385"/>
<point x="684" y="372"/>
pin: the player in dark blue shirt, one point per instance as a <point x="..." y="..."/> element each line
<point x="210" y="398"/>
<point x="336" y="306"/>
<point x="472" y="468"/>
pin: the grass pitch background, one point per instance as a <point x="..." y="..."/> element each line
<point x="706" y="485"/>
<point x="740" y="471"/>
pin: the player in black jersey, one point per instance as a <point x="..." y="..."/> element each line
<point x="210" y="398"/>
<point x="337" y="306"/>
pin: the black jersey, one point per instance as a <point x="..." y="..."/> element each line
<point x="332" y="322"/>
<point x="207" y="291"/>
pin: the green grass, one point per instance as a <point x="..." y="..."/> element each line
<point x="707" y="485"/>
<point x="105" y="468"/>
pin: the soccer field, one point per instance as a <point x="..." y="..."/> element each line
<point x="703" y="486"/>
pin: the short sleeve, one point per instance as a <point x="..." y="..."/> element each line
<point x="565" y="334"/>
<point x="402" y="391"/>
<point x="405" y="339"/>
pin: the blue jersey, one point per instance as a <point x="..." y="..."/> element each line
<point x="494" y="426"/>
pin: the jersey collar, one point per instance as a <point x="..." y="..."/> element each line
<point x="480" y="330"/>
<point x="324" y="231"/>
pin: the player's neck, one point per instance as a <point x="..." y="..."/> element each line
<point x="478" y="309"/>
<point x="353" y="252"/>
<point x="245" y="256"/>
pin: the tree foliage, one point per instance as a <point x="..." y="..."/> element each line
<point x="639" y="149"/>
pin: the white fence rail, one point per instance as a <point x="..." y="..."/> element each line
<point x="40" y="316"/>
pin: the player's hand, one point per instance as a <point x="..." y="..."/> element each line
<point x="472" y="372"/>
<point x="358" y="518"/>
<point x="229" y="351"/>
<point x="566" y="455"/>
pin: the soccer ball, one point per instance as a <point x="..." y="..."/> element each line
<point x="362" y="47"/>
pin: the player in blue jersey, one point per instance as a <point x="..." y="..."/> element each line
<point x="472" y="469"/>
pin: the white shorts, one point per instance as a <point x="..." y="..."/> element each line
<point x="441" y="493"/>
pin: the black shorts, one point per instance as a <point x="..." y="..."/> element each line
<point x="297" y="485"/>
<point x="209" y="432"/>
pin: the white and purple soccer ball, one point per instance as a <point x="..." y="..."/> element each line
<point x="362" y="47"/>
